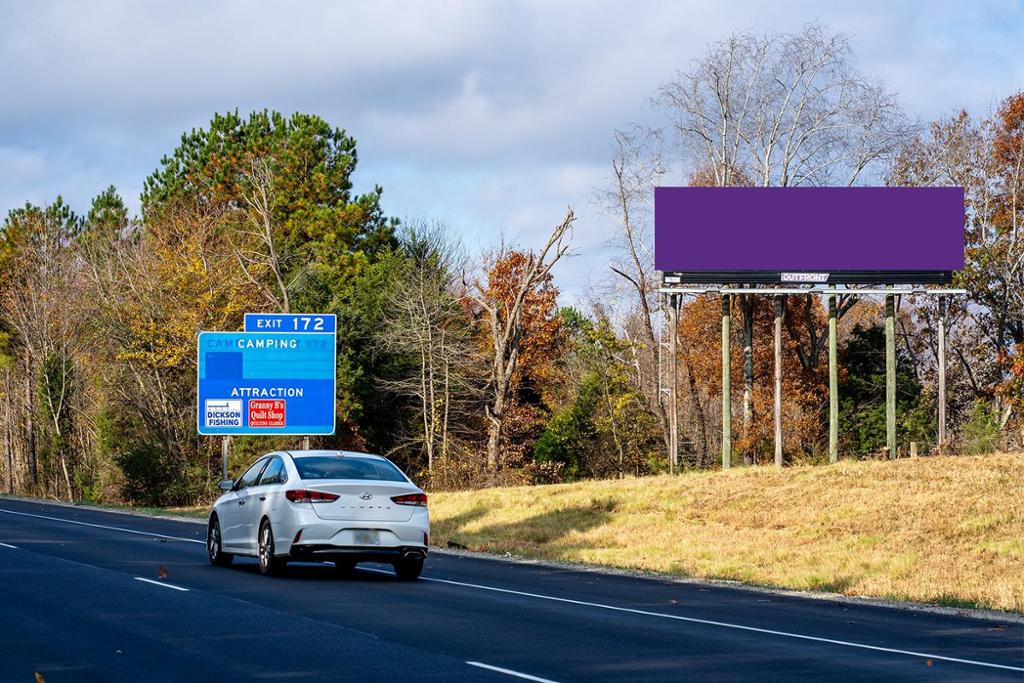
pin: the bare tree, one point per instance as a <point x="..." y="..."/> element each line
<point x="635" y="170"/>
<point x="257" y="242"/>
<point x="783" y="110"/>
<point x="769" y="110"/>
<point x="505" y="327"/>
<point x="38" y="302"/>
<point x="429" y="323"/>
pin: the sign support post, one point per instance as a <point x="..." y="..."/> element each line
<point x="942" y="372"/>
<point x="833" y="381"/>
<point x="890" y="375"/>
<point x="225" y="448"/>
<point x="779" y="312"/>
<point x="726" y="386"/>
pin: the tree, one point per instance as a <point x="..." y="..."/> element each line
<point x="862" y="407"/>
<point x="517" y="304"/>
<point x="41" y="285"/>
<point x="427" y="323"/>
<point x="633" y="178"/>
<point x="155" y="294"/>
<point x="762" y="110"/>
<point x="986" y="158"/>
<point x="281" y="191"/>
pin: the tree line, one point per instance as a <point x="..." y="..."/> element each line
<point x="463" y="367"/>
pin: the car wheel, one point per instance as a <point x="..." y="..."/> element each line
<point x="409" y="568"/>
<point x="214" y="545"/>
<point x="269" y="565"/>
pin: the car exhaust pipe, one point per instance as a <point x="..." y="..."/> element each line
<point x="414" y="553"/>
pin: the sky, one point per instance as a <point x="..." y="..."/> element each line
<point x="493" y="117"/>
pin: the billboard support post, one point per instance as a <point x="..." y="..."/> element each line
<point x="833" y="381"/>
<point x="726" y="385"/>
<point x="779" y="312"/>
<point x="942" y="372"/>
<point x="305" y="443"/>
<point x="673" y="393"/>
<point x="890" y="375"/>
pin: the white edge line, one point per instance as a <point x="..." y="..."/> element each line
<point x="723" y="624"/>
<point x="161" y="583"/>
<point x="102" y="526"/>
<point x="8" y="545"/>
<point x="510" y="672"/>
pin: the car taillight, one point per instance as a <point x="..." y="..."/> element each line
<point x="417" y="499"/>
<point x="307" y="496"/>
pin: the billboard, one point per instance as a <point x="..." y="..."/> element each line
<point x="266" y="382"/>
<point x="835" y="235"/>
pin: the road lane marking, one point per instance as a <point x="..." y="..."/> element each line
<point x="722" y="624"/>
<point x="161" y="583"/>
<point x="8" y="545"/>
<point x="102" y="526"/>
<point x="510" y="672"/>
<point x="583" y="603"/>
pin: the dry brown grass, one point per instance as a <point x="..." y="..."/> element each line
<point x="944" y="530"/>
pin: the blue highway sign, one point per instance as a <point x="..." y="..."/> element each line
<point x="266" y="382"/>
<point x="290" y="322"/>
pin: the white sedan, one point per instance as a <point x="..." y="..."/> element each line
<point x="321" y="506"/>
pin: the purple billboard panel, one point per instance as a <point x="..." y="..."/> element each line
<point x="809" y="234"/>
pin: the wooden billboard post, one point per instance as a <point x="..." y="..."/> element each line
<point x="890" y="375"/>
<point x="942" y="372"/>
<point x="833" y="381"/>
<point x="726" y="385"/>
<point x="673" y="392"/>
<point x="780" y="308"/>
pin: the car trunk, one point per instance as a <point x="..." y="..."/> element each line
<point x="363" y="501"/>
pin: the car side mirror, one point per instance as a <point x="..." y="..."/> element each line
<point x="227" y="485"/>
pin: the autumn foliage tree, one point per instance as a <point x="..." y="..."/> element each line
<point x="519" y="328"/>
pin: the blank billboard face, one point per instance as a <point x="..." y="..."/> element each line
<point x="862" y="235"/>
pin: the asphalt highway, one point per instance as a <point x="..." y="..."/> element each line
<point x="93" y="595"/>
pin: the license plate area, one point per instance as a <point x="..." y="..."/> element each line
<point x="366" y="537"/>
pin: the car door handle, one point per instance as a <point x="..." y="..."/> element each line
<point x="263" y="497"/>
<point x="241" y="502"/>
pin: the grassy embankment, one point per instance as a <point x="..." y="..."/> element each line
<point x="942" y="530"/>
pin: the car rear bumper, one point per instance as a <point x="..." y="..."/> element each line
<point x="316" y="552"/>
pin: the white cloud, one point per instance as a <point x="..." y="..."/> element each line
<point x="492" y="115"/>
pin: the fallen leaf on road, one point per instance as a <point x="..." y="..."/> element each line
<point x="163" y="572"/>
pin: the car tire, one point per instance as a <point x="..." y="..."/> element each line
<point x="269" y="564"/>
<point x="409" y="568"/>
<point x="215" y="545"/>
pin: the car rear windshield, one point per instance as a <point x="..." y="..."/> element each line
<point x="341" y="467"/>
